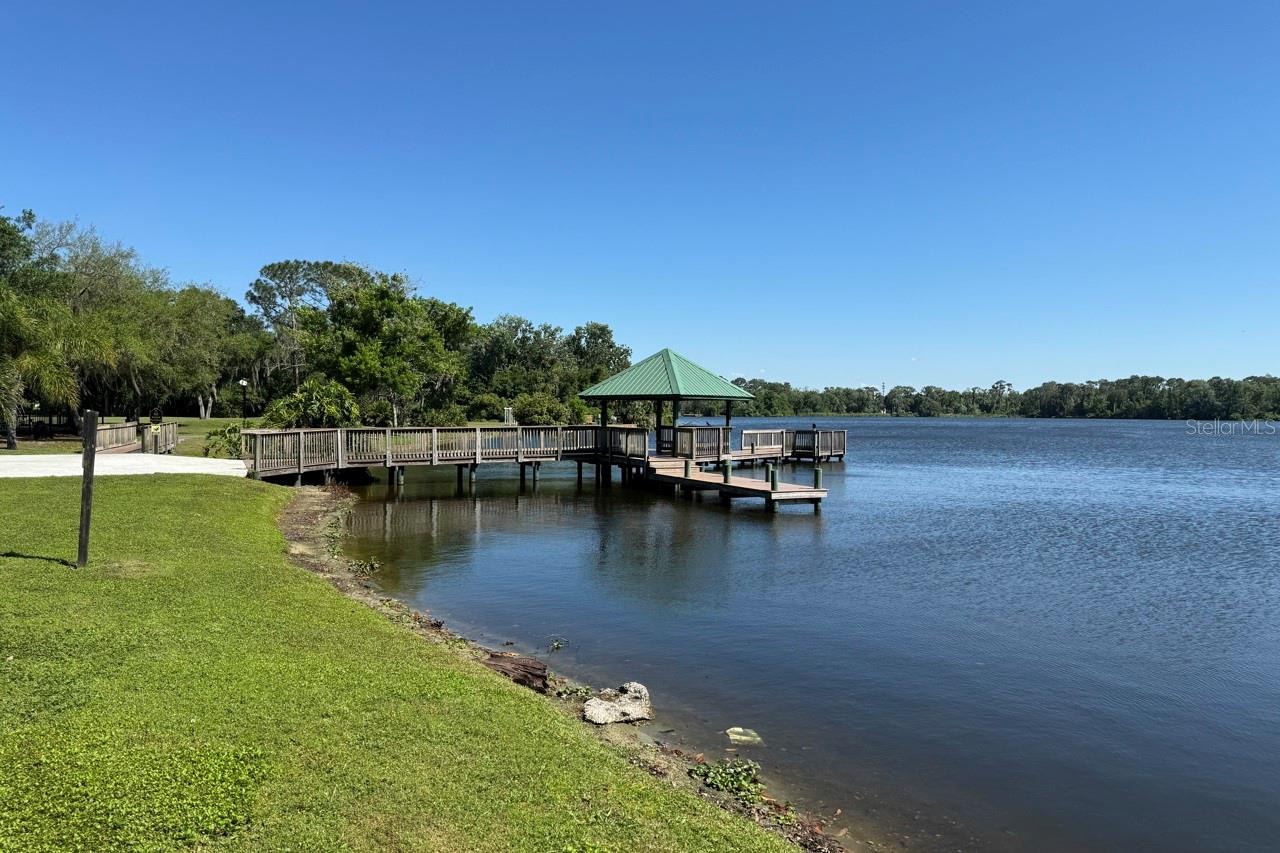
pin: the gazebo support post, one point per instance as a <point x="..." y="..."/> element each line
<point x="728" y="425"/>
<point x="607" y="468"/>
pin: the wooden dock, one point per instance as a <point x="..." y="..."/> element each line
<point x="688" y="479"/>
<point x="674" y="456"/>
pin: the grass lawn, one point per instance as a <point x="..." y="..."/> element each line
<point x="193" y="688"/>
<point x="191" y="433"/>
<point x="58" y="444"/>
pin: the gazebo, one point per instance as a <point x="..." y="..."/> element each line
<point x="665" y="376"/>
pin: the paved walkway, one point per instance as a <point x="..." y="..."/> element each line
<point x="68" y="465"/>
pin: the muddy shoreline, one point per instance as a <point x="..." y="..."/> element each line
<point x="314" y="524"/>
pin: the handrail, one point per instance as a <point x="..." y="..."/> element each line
<point x="113" y="436"/>
<point x="629" y="442"/>
<point x="811" y="443"/>
<point x="299" y="450"/>
<point x="702" y="442"/>
<point x="158" y="438"/>
<point x="763" y="440"/>
<point x="277" y="451"/>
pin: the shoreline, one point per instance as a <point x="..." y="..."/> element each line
<point x="313" y="524"/>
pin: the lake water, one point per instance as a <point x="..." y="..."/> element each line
<point x="1005" y="634"/>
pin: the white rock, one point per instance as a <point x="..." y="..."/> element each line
<point x="624" y="705"/>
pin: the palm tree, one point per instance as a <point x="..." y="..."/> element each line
<point x="37" y="340"/>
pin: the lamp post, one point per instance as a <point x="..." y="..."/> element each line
<point x="244" y="402"/>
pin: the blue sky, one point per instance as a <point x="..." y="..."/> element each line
<point x="844" y="193"/>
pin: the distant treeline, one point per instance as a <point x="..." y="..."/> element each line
<point x="1256" y="397"/>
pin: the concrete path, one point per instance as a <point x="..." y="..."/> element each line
<point x="106" y="464"/>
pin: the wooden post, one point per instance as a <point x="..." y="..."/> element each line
<point x="728" y="469"/>
<point x="473" y="470"/>
<point x="536" y="466"/>
<point x="342" y="447"/>
<point x="607" y="469"/>
<point x="579" y="473"/>
<point x="773" y="478"/>
<point x="522" y="475"/>
<point x="257" y="456"/>
<point x="89" y="442"/>
<point x="435" y="446"/>
<point x="388" y="446"/>
<point x="817" y="476"/>
<point x="458" y="470"/>
<point x="301" y="463"/>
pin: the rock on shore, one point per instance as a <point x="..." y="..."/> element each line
<point x="627" y="704"/>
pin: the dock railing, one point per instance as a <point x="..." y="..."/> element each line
<point x="115" y="436"/>
<point x="701" y="443"/>
<point x="158" y="438"/>
<point x="629" y="442"/>
<point x="817" y="444"/>
<point x="274" y="451"/>
<point x="666" y="441"/>
<point x="764" y="442"/>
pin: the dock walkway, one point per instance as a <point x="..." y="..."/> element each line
<point x="636" y="452"/>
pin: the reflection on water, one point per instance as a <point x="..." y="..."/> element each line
<point x="1062" y="635"/>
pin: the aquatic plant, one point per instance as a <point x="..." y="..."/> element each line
<point x="366" y="567"/>
<point x="738" y="777"/>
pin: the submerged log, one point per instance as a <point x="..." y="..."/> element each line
<point x="528" y="672"/>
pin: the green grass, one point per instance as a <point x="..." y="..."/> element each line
<point x="190" y="687"/>
<point x="60" y="444"/>
<point x="191" y="433"/>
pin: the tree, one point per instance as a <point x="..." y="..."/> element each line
<point x="284" y="289"/>
<point x="38" y="336"/>
<point x="381" y="342"/>
<point x="596" y="355"/>
<point x="212" y="342"/>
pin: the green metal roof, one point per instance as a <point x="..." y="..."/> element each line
<point x="665" y="375"/>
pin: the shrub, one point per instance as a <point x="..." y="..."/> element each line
<point x="486" y="407"/>
<point x="223" y="442"/>
<point x="577" y="411"/>
<point x="451" y="415"/>
<point x="539" y="409"/>
<point x="376" y="413"/>
<point x="318" y="403"/>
